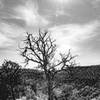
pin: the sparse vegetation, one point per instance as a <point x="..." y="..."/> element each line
<point x="10" y="76"/>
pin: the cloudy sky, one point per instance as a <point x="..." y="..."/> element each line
<point x="75" y="24"/>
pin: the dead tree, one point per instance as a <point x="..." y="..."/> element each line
<point x="41" y="50"/>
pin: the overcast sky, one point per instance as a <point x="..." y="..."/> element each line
<point x="75" y="24"/>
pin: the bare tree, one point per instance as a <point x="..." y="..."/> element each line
<point x="41" y="50"/>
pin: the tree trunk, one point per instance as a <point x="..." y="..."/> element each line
<point x="50" y="96"/>
<point x="50" y="92"/>
<point x="12" y="92"/>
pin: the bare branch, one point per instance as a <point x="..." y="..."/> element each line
<point x="41" y="50"/>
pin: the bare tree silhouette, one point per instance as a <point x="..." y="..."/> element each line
<point x="41" y="49"/>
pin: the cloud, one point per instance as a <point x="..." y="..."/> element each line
<point x="59" y="6"/>
<point x="10" y="34"/>
<point x="65" y="3"/>
<point x="77" y="11"/>
<point x="96" y="0"/>
<point x="82" y="39"/>
<point x="1" y="4"/>
<point x="68" y="36"/>
<point x="95" y="3"/>
<point x="29" y="13"/>
<point x="4" y="41"/>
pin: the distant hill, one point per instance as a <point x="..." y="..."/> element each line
<point x="89" y="75"/>
<point x="86" y="75"/>
<point x="86" y="72"/>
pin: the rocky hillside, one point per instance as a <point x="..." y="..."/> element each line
<point x="89" y="75"/>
